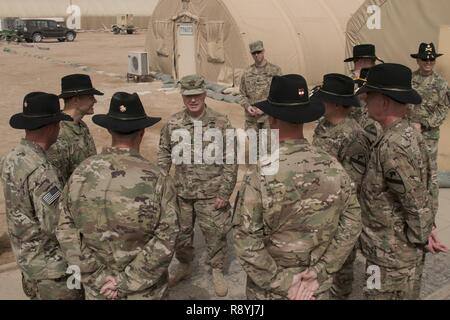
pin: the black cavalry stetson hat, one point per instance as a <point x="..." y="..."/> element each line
<point x="427" y="51"/>
<point x="392" y="80"/>
<point x="289" y="100"/>
<point x="39" y="109"/>
<point x="363" y="51"/>
<point x="126" y="114"/>
<point x="337" y="88"/>
<point x="77" y="85"/>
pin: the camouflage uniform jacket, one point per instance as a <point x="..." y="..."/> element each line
<point x="361" y="116"/>
<point x="347" y="142"/>
<point x="433" y="111"/>
<point x="74" y="144"/>
<point x="198" y="180"/>
<point x="357" y="113"/>
<point x="119" y="217"/>
<point x="32" y="191"/>
<point x="306" y="215"/>
<point x="255" y="85"/>
<point x="397" y="217"/>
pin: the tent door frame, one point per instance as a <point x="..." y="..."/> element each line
<point x="185" y="37"/>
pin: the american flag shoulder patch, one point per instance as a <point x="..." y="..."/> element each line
<point x="51" y="196"/>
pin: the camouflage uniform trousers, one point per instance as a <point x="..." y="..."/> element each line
<point x="343" y="279"/>
<point x="258" y="124"/>
<point x="432" y="145"/>
<point x="50" y="289"/>
<point x="214" y="225"/>
<point x="29" y="287"/>
<point x="261" y="122"/>
<point x="397" y="284"/>
<point x="254" y="292"/>
<point x="156" y="292"/>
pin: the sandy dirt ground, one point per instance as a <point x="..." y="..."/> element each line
<point x="29" y="67"/>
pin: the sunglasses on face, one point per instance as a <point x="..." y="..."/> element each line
<point x="256" y="52"/>
<point x="428" y="60"/>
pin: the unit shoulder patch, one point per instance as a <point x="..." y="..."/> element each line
<point x="395" y="181"/>
<point x="359" y="162"/>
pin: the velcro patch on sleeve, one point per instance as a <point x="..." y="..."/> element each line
<point x="395" y="181"/>
<point x="51" y="196"/>
<point x="359" y="163"/>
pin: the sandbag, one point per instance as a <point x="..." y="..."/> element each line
<point x="168" y="85"/>
<point x="233" y="90"/>
<point x="444" y="180"/>
<point x="232" y="99"/>
<point x="215" y="87"/>
<point x="214" y="95"/>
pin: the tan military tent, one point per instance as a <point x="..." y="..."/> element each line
<point x="404" y="25"/>
<point x="94" y="13"/>
<point x="211" y="37"/>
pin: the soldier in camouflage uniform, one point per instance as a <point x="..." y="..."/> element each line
<point x="431" y="114"/>
<point x="343" y="138"/>
<point x="372" y="128"/>
<point x="119" y="214"/>
<point x="32" y="190"/>
<point x="75" y="142"/>
<point x="255" y="84"/>
<point x="295" y="228"/>
<point x="203" y="189"/>
<point x="337" y="133"/>
<point x="395" y="198"/>
<point x="364" y="57"/>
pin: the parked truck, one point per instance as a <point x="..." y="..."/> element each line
<point x="124" y="24"/>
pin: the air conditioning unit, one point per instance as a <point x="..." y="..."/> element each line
<point x="138" y="63"/>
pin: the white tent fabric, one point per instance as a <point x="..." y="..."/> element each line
<point x="301" y="36"/>
<point x="404" y="25"/>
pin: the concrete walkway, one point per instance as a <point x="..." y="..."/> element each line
<point x="10" y="283"/>
<point x="443" y="217"/>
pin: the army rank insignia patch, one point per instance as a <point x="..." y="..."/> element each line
<point x="51" y="196"/>
<point x="395" y="181"/>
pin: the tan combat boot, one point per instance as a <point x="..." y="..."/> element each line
<point x="182" y="271"/>
<point x="220" y="284"/>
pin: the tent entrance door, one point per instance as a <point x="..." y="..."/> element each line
<point x="185" y="57"/>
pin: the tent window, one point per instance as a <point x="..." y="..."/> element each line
<point x="214" y="40"/>
<point x="163" y="34"/>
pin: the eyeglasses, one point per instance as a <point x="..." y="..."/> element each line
<point x="426" y="60"/>
<point x="256" y="52"/>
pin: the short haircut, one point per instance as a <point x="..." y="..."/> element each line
<point x="128" y="134"/>
<point x="41" y="127"/>
<point x="67" y="100"/>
